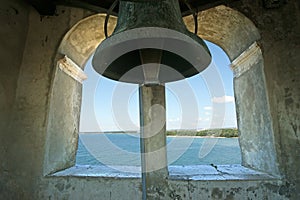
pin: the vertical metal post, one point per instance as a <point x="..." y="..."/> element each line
<point x="153" y="141"/>
<point x="142" y="144"/>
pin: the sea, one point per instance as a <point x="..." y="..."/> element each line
<point x="124" y="149"/>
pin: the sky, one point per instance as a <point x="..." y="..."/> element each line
<point x="204" y="101"/>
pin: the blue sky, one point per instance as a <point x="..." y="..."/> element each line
<point x="203" y="101"/>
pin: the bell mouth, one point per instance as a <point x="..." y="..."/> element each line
<point x="130" y="67"/>
<point x="150" y="55"/>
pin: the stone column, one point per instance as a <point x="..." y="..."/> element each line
<point x="153" y="141"/>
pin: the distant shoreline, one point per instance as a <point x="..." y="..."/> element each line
<point x="111" y="132"/>
<point x="210" y="133"/>
<point x="195" y="136"/>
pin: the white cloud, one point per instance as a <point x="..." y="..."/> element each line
<point x="174" y="119"/>
<point x="223" y="99"/>
<point x="207" y="108"/>
<point x="206" y="119"/>
<point x="207" y="113"/>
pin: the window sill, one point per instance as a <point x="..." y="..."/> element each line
<point x="191" y="172"/>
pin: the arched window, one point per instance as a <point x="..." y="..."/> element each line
<point x="206" y="108"/>
<point x="109" y="122"/>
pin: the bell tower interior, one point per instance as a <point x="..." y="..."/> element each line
<point x="44" y="50"/>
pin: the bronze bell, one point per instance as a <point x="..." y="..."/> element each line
<point x="150" y="45"/>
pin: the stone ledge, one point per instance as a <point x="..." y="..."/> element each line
<point x="249" y="58"/>
<point x="72" y="69"/>
<point x="192" y="172"/>
<point x="217" y="172"/>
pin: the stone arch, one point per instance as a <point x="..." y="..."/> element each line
<point x="228" y="28"/>
<point x="83" y="38"/>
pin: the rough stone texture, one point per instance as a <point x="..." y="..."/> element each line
<point x="82" y="39"/>
<point x="226" y="27"/>
<point x="153" y="123"/>
<point x="253" y="115"/>
<point x="153" y="133"/>
<point x="280" y="42"/>
<point x="28" y="51"/>
<point x="13" y="32"/>
<point x="28" y="81"/>
<point x="63" y="123"/>
<point x="113" y="188"/>
<point x="185" y="182"/>
<point x="75" y="188"/>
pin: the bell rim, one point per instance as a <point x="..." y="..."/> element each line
<point x="151" y="37"/>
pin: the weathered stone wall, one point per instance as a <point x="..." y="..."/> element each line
<point x="280" y="42"/>
<point x="13" y="33"/>
<point x="253" y="116"/>
<point x="80" y="188"/>
<point x="28" y="50"/>
<point x="62" y="123"/>
<point x="227" y="28"/>
<point x="76" y="188"/>
<point x="29" y="46"/>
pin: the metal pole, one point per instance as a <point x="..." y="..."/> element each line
<point x="142" y="144"/>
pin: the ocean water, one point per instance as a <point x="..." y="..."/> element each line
<point x="124" y="149"/>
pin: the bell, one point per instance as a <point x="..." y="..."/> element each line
<point x="150" y="45"/>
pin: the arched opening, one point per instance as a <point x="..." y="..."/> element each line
<point x="229" y="29"/>
<point x="109" y="122"/>
<point x="111" y="109"/>
<point x="65" y="98"/>
<point x="204" y="118"/>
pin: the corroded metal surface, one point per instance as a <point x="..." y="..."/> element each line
<point x="152" y="28"/>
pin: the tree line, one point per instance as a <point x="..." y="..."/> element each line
<point x="226" y="132"/>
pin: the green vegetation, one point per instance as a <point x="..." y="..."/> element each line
<point x="228" y="132"/>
